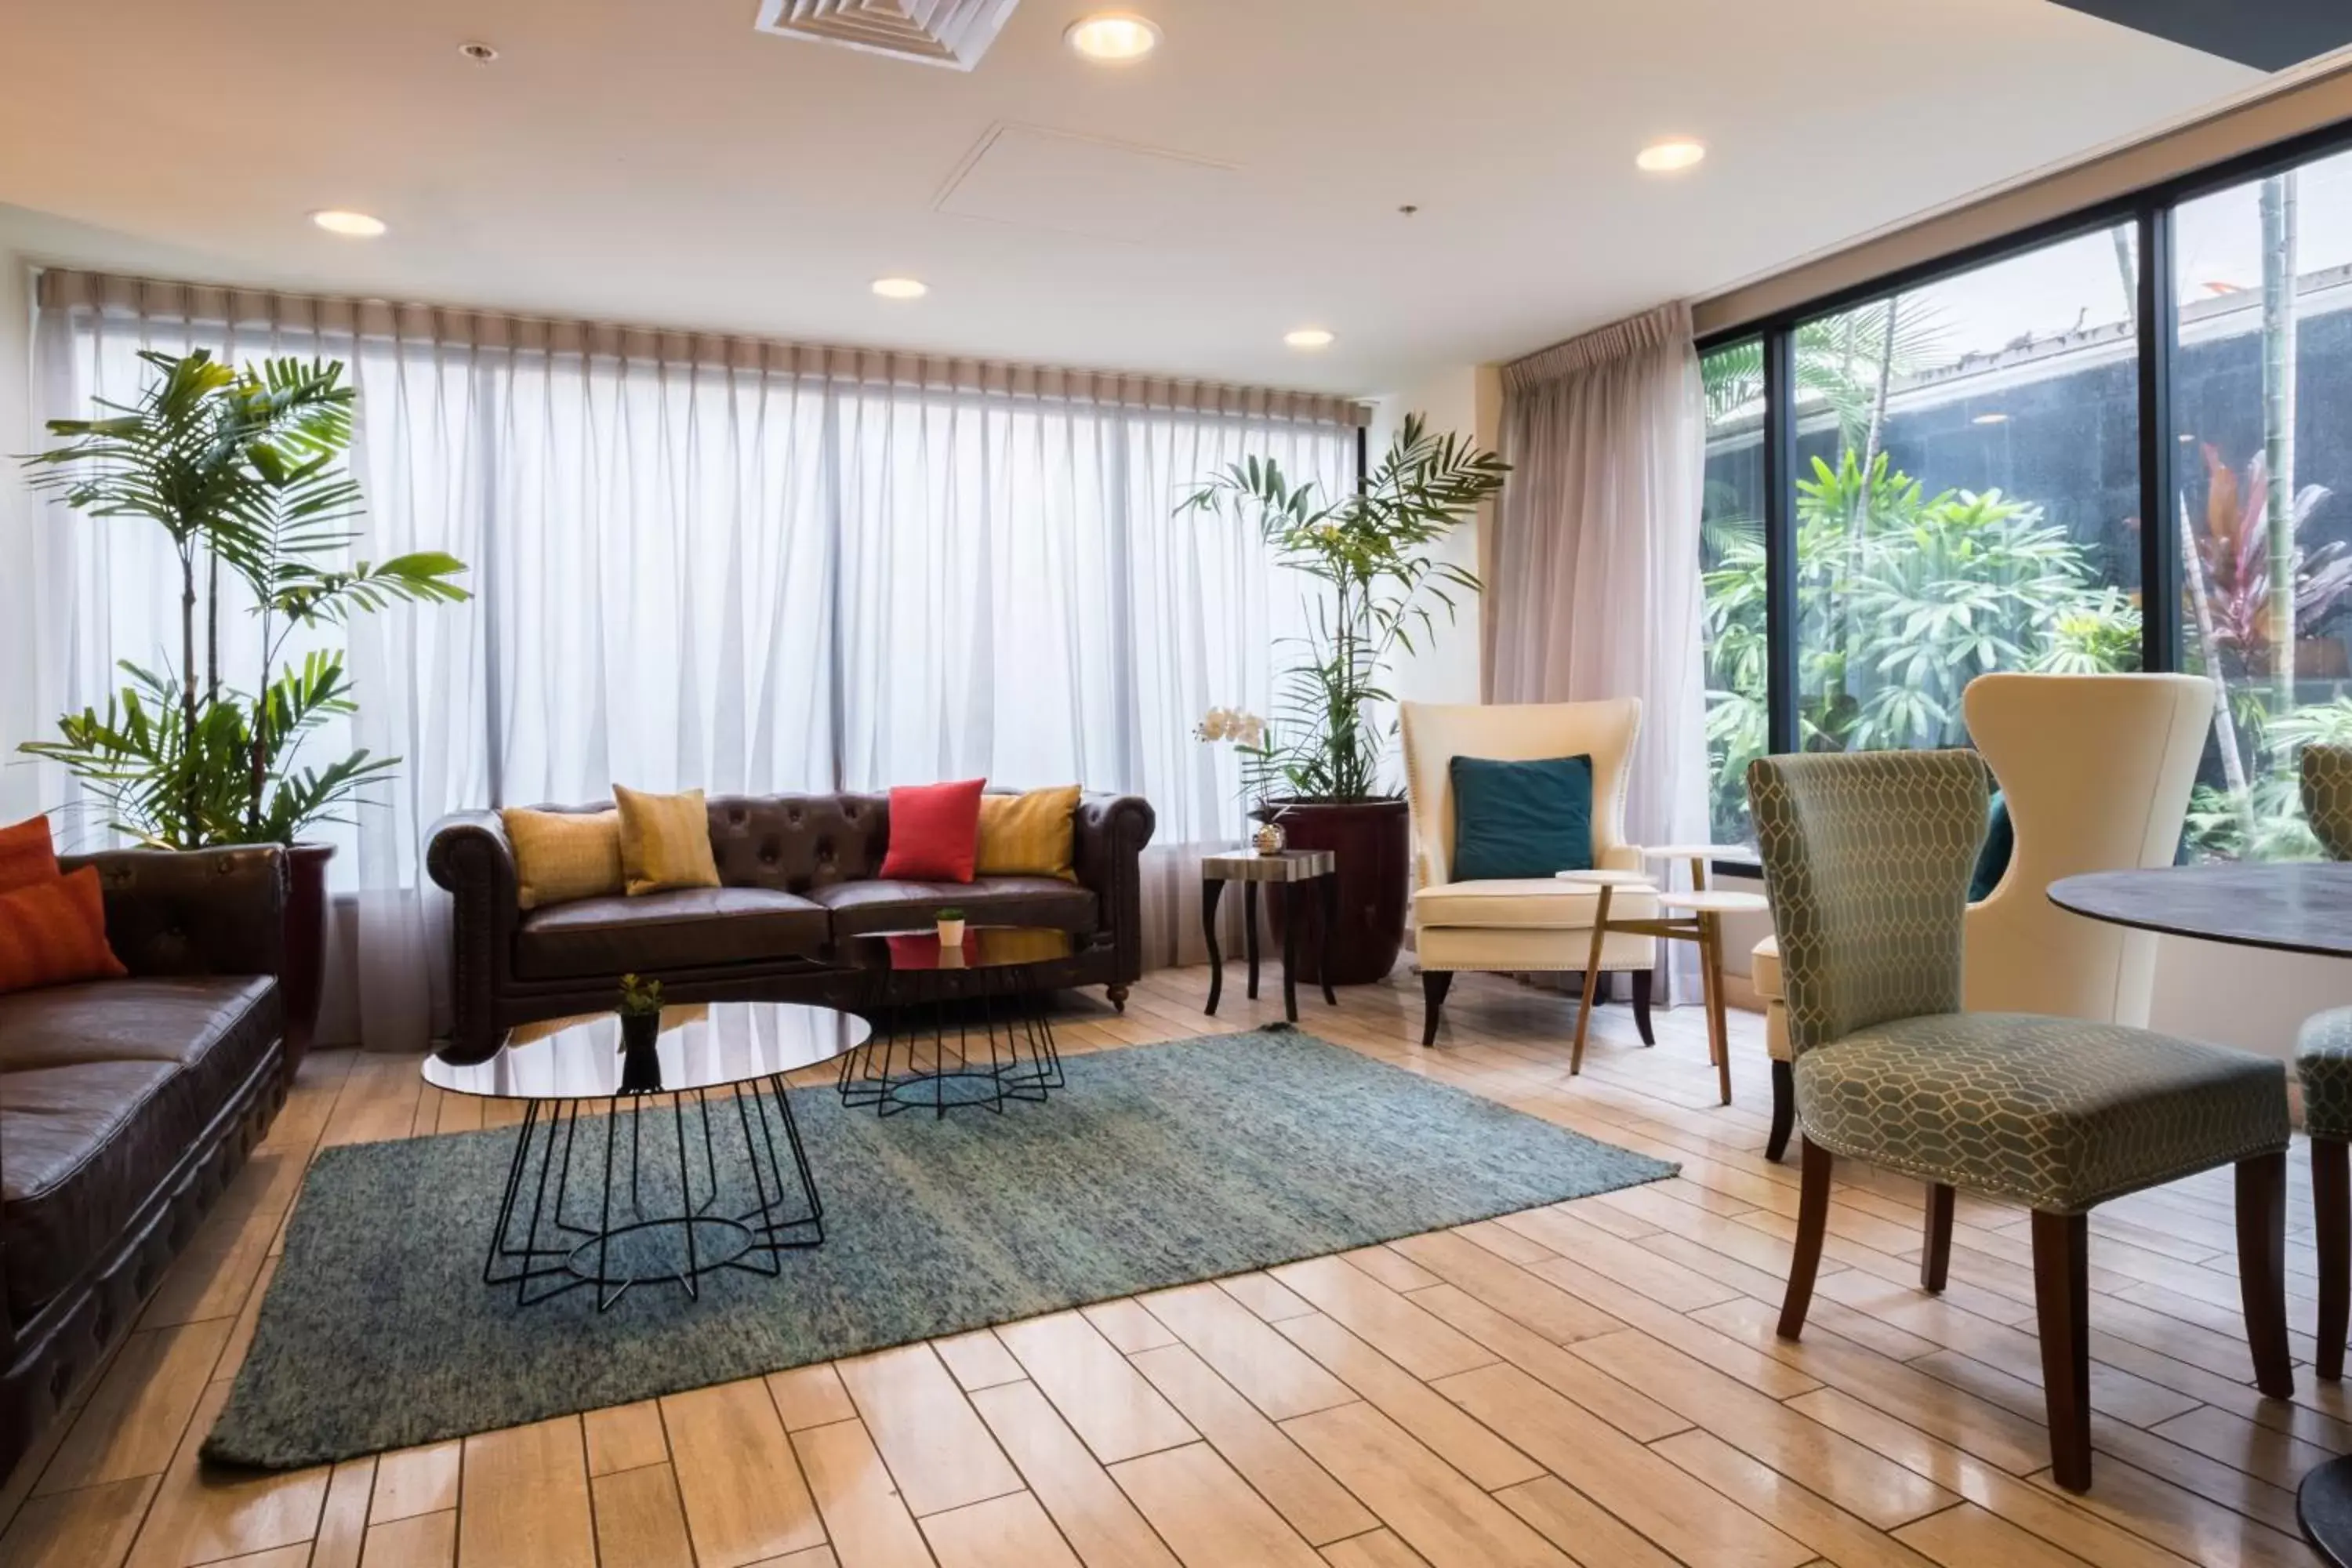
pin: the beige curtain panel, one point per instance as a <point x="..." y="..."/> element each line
<point x="1596" y="583"/>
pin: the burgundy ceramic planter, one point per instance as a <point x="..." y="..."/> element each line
<point x="1371" y="842"/>
<point x="301" y="981"/>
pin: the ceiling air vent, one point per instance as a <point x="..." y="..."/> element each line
<point x="954" y="32"/>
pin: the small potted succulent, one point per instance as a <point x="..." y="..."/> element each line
<point x="951" y="928"/>
<point x="640" y="1008"/>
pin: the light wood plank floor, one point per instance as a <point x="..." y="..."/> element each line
<point x="1595" y="1383"/>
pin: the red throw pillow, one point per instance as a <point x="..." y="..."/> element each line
<point x="934" y="832"/>
<point x="28" y="855"/>
<point x="54" y="932"/>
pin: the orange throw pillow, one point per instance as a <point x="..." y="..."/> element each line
<point x="28" y="855"/>
<point x="54" y="932"/>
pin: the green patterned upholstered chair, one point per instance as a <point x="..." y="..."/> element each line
<point x="1866" y="861"/>
<point x="2323" y="1060"/>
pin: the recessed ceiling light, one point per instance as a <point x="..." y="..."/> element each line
<point x="351" y="225"/>
<point x="1309" y="338"/>
<point x="901" y="288"/>
<point x="1669" y="156"/>
<point x="1114" y="37"/>
<point x="480" y="53"/>
<point x="1990" y="419"/>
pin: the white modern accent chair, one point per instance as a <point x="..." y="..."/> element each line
<point x="1520" y="924"/>
<point x="2096" y="772"/>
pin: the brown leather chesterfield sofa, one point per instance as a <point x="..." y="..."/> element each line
<point x="125" y="1107"/>
<point x="798" y="874"/>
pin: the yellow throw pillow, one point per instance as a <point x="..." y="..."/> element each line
<point x="1028" y="835"/>
<point x="561" y="856"/>
<point x="665" y="842"/>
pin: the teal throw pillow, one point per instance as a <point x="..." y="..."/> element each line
<point x="1521" y="819"/>
<point x="1992" y="860"/>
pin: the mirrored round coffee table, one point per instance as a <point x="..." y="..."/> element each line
<point x="956" y="1025"/>
<point x="693" y="1166"/>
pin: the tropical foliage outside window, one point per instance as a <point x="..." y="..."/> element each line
<point x="2263" y="401"/>
<point x="1957" y="506"/>
<point x="1967" y="488"/>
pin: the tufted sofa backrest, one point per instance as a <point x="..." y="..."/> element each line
<point x="794" y="843"/>
<point x="791" y="843"/>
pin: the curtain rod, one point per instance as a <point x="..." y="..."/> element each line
<point x="72" y="289"/>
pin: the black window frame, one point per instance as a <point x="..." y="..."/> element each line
<point x="2148" y="210"/>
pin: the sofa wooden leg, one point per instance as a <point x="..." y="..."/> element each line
<point x="2331" y="1215"/>
<point x="1935" y="1246"/>
<point x="1435" y="984"/>
<point x="1643" y="980"/>
<point x="2262" y="1269"/>
<point x="2061" y="1300"/>
<point x="1118" y="994"/>
<point x="1812" y="1227"/>
<point x="1784" y="1110"/>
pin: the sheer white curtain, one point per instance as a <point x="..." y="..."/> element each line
<point x="1596" y="587"/>
<point x="719" y="563"/>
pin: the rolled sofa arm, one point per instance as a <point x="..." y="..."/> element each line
<point x="1110" y="832"/>
<point x="194" y="912"/>
<point x="467" y="853"/>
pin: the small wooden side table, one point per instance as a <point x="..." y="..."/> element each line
<point x="1285" y="870"/>
<point x="1693" y="917"/>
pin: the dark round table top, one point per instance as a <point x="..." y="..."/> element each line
<point x="706" y="1046"/>
<point x="983" y="947"/>
<point x="2295" y="907"/>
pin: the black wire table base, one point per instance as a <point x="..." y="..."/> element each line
<point x="597" y="1208"/>
<point x="947" y="1053"/>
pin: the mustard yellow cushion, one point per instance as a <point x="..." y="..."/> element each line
<point x="665" y="842"/>
<point x="1027" y="835"/>
<point x="561" y="856"/>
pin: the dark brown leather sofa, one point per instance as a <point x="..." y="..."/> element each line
<point x="799" y="873"/>
<point x="125" y="1107"/>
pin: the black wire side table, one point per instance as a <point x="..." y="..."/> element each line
<point x="699" y="1170"/>
<point x="956" y="1025"/>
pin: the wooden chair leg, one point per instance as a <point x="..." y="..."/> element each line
<point x="1784" y="1109"/>
<point x="1644" y="981"/>
<point x="1936" y="1251"/>
<point x="2061" y="1299"/>
<point x="1591" y="981"/>
<point x="1718" y="1031"/>
<point x="2331" y="1214"/>
<point x="2262" y="1269"/>
<point x="1812" y="1225"/>
<point x="1435" y="984"/>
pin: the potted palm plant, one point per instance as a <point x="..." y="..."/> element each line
<point x="243" y="469"/>
<point x="1320" y="766"/>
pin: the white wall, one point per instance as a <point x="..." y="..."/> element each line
<point x="18" y="720"/>
<point x="1467" y="399"/>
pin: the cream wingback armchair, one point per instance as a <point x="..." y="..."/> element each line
<point x="1520" y="924"/>
<point x="2096" y="771"/>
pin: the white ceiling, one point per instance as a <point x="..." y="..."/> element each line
<point x="660" y="162"/>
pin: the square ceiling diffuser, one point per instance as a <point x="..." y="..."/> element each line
<point x="954" y="32"/>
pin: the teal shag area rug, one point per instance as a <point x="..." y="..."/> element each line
<point x="1158" y="1165"/>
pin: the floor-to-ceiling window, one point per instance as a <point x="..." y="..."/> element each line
<point x="1731" y="559"/>
<point x="1967" y="491"/>
<point x="1947" y="474"/>
<point x="2262" y="405"/>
